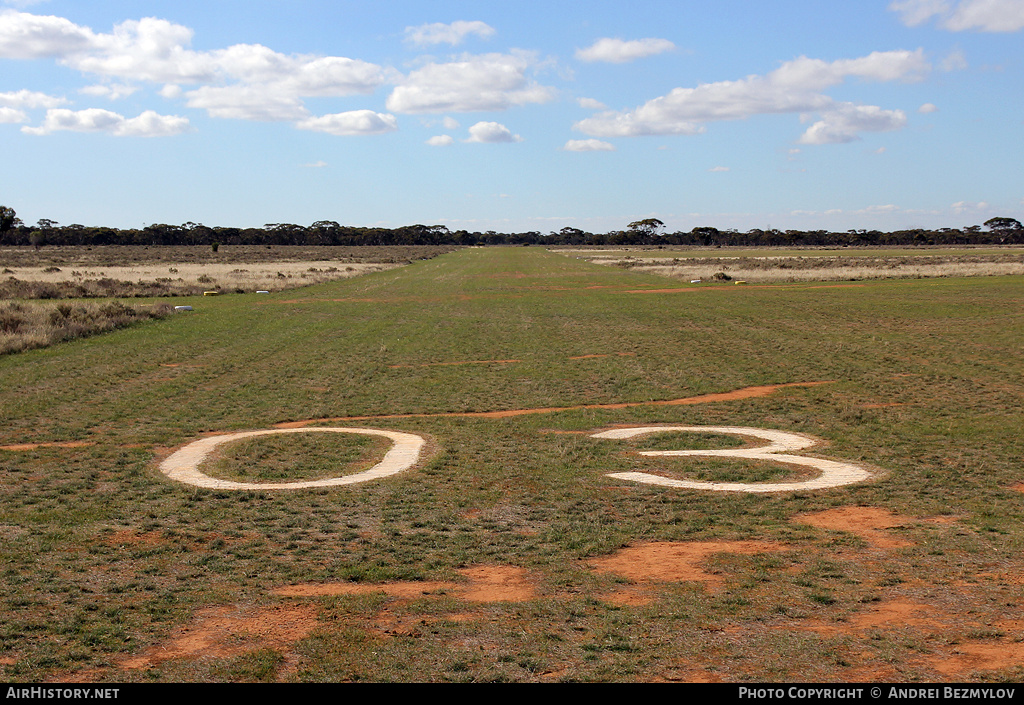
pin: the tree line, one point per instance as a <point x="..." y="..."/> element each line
<point x="650" y="232"/>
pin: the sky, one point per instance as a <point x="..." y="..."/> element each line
<point x="514" y="117"/>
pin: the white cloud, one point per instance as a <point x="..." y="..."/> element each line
<point x="916" y="12"/>
<point x="590" y="145"/>
<point x="719" y="168"/>
<point x="110" y="91"/>
<point x="354" y="122"/>
<point x="618" y="51"/>
<point x="450" y="123"/>
<point x="844" y="122"/>
<point x="27" y="36"/>
<point x="148" y="124"/>
<point x="171" y="91"/>
<point x="314" y="165"/>
<point x="152" y="124"/>
<point x="11" y="115"/>
<point x="968" y="207"/>
<point x="440" y="140"/>
<point x="954" y="61"/>
<point x="242" y="102"/>
<point x="591" y="104"/>
<point x="30" y="99"/>
<point x="491" y="132"/>
<point x="454" y="33"/>
<point x="980" y="15"/>
<point x="875" y="210"/>
<point x="928" y="108"/>
<point x="476" y="83"/>
<point x="245" y="81"/>
<point x="795" y="87"/>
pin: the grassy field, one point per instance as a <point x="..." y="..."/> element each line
<point x="508" y="554"/>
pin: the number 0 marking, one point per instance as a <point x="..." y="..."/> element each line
<point x="833" y="474"/>
<point x="183" y="465"/>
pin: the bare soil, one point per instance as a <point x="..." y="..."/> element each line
<point x="225" y="631"/>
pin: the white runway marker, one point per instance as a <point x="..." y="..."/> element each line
<point x="833" y="473"/>
<point x="183" y="465"/>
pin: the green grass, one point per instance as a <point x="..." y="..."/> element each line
<point x="312" y="456"/>
<point x="102" y="557"/>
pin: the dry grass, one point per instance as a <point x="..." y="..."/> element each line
<point x="179" y="279"/>
<point x="798" y="269"/>
<point x="24" y="326"/>
<point x="123" y="271"/>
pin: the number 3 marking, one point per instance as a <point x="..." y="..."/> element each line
<point x="833" y="474"/>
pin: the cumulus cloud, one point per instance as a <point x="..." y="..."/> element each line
<point x="591" y="145"/>
<point x="454" y="33"/>
<point x="591" y="104"/>
<point x="354" y="122"/>
<point x="247" y="102"/>
<point x="979" y="15"/>
<point x="30" y="99"/>
<point x="109" y="91"/>
<point x="440" y="140"/>
<point x="618" y="51"/>
<point x="719" y="169"/>
<point x="491" y="132"/>
<point x="844" y="122"/>
<point x="928" y="108"/>
<point x="11" y="115"/>
<point x="148" y="124"/>
<point x="484" y="82"/>
<point x="27" y="36"/>
<point x="244" y="81"/>
<point x="795" y="87"/>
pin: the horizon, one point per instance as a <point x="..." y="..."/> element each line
<point x="885" y="115"/>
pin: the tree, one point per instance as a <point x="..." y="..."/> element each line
<point x="7" y="218"/>
<point x="647" y="226"/>
<point x="1003" y="224"/>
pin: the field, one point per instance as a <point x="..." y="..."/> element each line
<point x="784" y="264"/>
<point x="109" y="271"/>
<point x="507" y="552"/>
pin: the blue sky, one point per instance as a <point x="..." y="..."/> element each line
<point x="802" y="114"/>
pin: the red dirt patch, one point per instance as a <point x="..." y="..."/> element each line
<point x="497" y="584"/>
<point x="219" y="632"/>
<point x="33" y="446"/>
<point x="486" y="584"/>
<point x="867" y="522"/>
<point x="670" y="561"/>
<point x="745" y="393"/>
<point x="979" y="656"/>
<point x="887" y="615"/>
<point x="405" y="590"/>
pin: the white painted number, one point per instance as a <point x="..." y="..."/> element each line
<point x="183" y="465"/>
<point x="833" y="474"/>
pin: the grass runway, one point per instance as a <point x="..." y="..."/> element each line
<point x="508" y="554"/>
